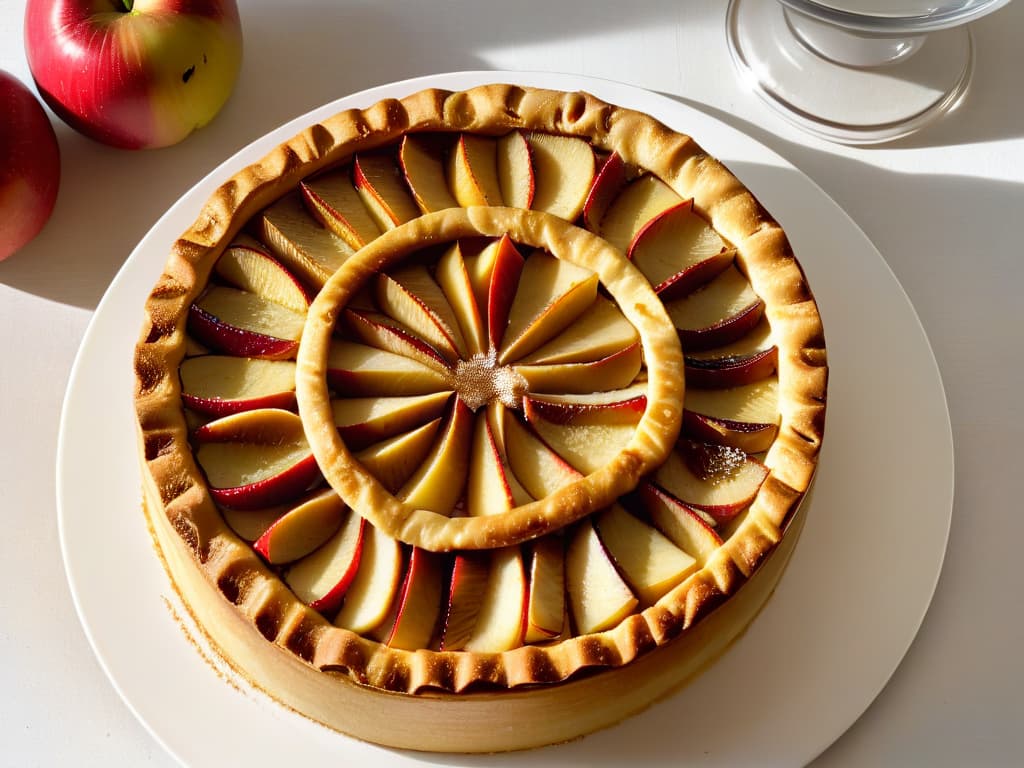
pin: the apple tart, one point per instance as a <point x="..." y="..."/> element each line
<point x="493" y="407"/>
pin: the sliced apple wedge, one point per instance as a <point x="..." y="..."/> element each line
<point x="220" y="385"/>
<point x="678" y="251"/>
<point x="302" y="245"/>
<point x="439" y="482"/>
<point x="244" y="324"/>
<point x="598" y="596"/>
<point x="587" y="446"/>
<point x="716" y="479"/>
<point x="545" y="613"/>
<point x="601" y="330"/>
<point x="504" y="276"/>
<point x="473" y="171"/>
<point x="758" y="339"/>
<point x="620" y="406"/>
<point x="256" y="458"/>
<point x="359" y="369"/>
<point x="302" y="529"/>
<point x="380" y="331"/>
<point x="608" y="183"/>
<point x="640" y="201"/>
<point x="374" y="588"/>
<point x="551" y="294"/>
<point x="564" y="169"/>
<point x="419" y="602"/>
<point x="650" y="562"/>
<point x="421" y="158"/>
<point x="744" y="417"/>
<point x="515" y="170"/>
<point x="500" y="621"/>
<point x="453" y="277"/>
<point x="719" y="313"/>
<point x="685" y="526"/>
<point x="382" y="188"/>
<point x="731" y="370"/>
<point x="491" y="489"/>
<point x="250" y="524"/>
<point x="392" y="461"/>
<point x="332" y="199"/>
<point x="247" y="266"/>
<point x="538" y="469"/>
<point x="466" y="589"/>
<point x="362" y="421"/>
<point x="322" y="578"/>
<point x="616" y="371"/>
<point x="411" y="296"/>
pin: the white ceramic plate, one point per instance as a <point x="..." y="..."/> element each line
<point x="844" y="615"/>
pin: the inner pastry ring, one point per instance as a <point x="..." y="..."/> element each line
<point x="651" y="442"/>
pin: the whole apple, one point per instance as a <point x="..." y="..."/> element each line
<point x="136" y="75"/>
<point x="29" y="165"/>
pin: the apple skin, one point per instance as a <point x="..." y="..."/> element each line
<point x="137" y="79"/>
<point x="29" y="165"/>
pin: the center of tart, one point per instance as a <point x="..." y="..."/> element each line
<point x="481" y="380"/>
<point x="477" y="378"/>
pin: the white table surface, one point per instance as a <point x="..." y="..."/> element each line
<point x="944" y="208"/>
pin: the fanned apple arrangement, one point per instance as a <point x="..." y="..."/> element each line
<point x="494" y="405"/>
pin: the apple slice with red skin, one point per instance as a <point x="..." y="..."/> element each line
<point x="412" y="297"/>
<point x="500" y="621"/>
<point x="439" y="482"/>
<point x="374" y="588"/>
<point x="715" y="479"/>
<point x="598" y="596"/>
<point x="731" y="370"/>
<point x="678" y="251"/>
<point x="600" y="331"/>
<point x="380" y="331"/>
<point x="466" y="589"/>
<point x="551" y="294"/>
<point x="639" y="201"/>
<point x="615" y="371"/>
<point x="538" y="469"/>
<point x="473" y="171"/>
<point x="685" y="526"/>
<point x="718" y="313"/>
<point x="322" y="578"/>
<point x="623" y="406"/>
<point x="220" y="385"/>
<point x="419" y="602"/>
<point x="363" y="421"/>
<point x="379" y="183"/>
<point x="453" y="276"/>
<point x="744" y="417"/>
<point x="393" y="461"/>
<point x="650" y="562"/>
<point x="587" y="446"/>
<point x="256" y="459"/>
<point x="359" y="369"/>
<point x="515" y="172"/>
<point x="564" y="169"/>
<point x="508" y="265"/>
<point x="488" y="491"/>
<point x="302" y="529"/>
<point x="545" y="611"/>
<point x="608" y="183"/>
<point x="245" y="324"/>
<point x="421" y="159"/>
<point x="307" y="249"/>
<point x="333" y="201"/>
<point x="247" y="266"/>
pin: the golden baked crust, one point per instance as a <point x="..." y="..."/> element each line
<point x="179" y="501"/>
